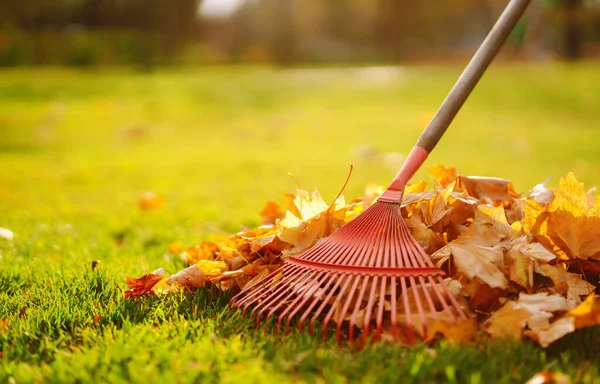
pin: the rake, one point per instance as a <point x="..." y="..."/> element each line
<point x="372" y="273"/>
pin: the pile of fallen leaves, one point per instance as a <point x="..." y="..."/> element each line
<point x="521" y="265"/>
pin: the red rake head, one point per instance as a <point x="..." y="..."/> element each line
<point x="369" y="274"/>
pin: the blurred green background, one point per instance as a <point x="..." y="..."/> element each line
<point x="210" y="104"/>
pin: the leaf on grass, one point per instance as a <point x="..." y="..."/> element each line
<point x="150" y="201"/>
<point x="191" y="277"/>
<point x="142" y="285"/>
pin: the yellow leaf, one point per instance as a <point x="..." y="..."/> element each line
<point x="587" y="314"/>
<point x="570" y="196"/>
<point x="443" y="175"/>
<point x="211" y="268"/>
<point x="577" y="236"/>
<point x="206" y="250"/>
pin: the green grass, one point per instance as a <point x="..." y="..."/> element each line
<point x="218" y="143"/>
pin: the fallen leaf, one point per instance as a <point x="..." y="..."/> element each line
<point x="456" y="333"/>
<point x="175" y="247"/>
<point x="577" y="236"/>
<point x="443" y="175"/>
<point x="191" y="277"/>
<point x="492" y="188"/>
<point x="206" y="250"/>
<point x="271" y="212"/>
<point x="541" y="194"/>
<point x="508" y="322"/>
<point x="142" y="285"/>
<point x="150" y="201"/>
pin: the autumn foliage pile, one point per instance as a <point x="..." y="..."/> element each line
<point x="520" y="265"/>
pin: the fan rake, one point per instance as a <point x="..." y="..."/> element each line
<point x="371" y="275"/>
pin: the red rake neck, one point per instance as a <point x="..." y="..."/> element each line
<point x="413" y="162"/>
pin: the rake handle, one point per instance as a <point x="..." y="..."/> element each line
<point x="471" y="75"/>
<point x="457" y="97"/>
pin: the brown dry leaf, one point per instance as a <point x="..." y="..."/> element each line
<point x="142" y="285"/>
<point x="492" y="188"/>
<point x="542" y="307"/>
<point x="191" y="277"/>
<point x="577" y="236"/>
<point x="509" y="321"/>
<point x="3" y="326"/>
<point x="524" y="259"/>
<point x="477" y="255"/>
<point x="494" y="217"/>
<point x="427" y="238"/>
<point x="443" y="175"/>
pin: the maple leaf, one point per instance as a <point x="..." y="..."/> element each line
<point x="577" y="236"/>
<point x="492" y="188"/>
<point x="525" y="259"/>
<point x="426" y="237"/>
<point x="570" y="196"/>
<point x="316" y="220"/>
<point x="477" y="255"/>
<point x="443" y="175"/>
<point x="142" y="285"/>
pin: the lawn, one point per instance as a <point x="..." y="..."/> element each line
<point x="77" y="149"/>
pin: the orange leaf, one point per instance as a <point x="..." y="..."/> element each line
<point x="443" y="175"/>
<point x="271" y="212"/>
<point x="150" y="201"/>
<point x="577" y="236"/>
<point x="142" y="285"/>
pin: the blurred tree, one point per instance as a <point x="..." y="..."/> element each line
<point x="572" y="37"/>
